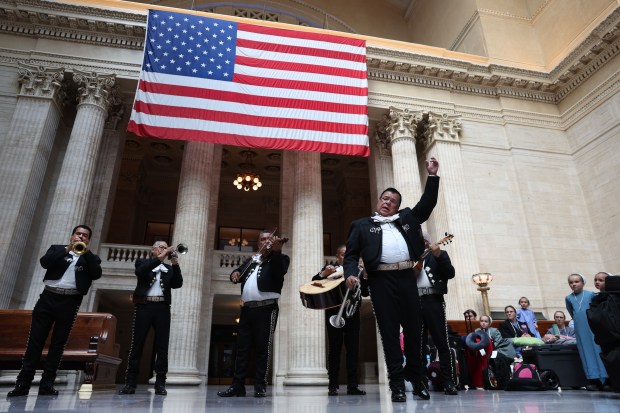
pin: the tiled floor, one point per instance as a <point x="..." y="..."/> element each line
<point x="313" y="400"/>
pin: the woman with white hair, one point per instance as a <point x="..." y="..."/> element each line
<point x="577" y="303"/>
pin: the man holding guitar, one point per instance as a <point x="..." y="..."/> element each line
<point x="349" y="334"/>
<point x="390" y="243"/>
<point x="433" y="279"/>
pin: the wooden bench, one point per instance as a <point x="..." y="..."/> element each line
<point x="91" y="346"/>
<point x="460" y="327"/>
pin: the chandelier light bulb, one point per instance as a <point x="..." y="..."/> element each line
<point x="246" y="188"/>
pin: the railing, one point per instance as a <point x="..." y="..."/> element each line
<point x="120" y="258"/>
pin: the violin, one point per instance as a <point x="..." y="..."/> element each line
<point x="264" y="253"/>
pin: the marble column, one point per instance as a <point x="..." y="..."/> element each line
<point x="23" y="162"/>
<point x="306" y="350"/>
<point x="191" y="227"/>
<point x="98" y="213"/>
<point x="96" y="94"/>
<point x="380" y="160"/>
<point x="404" y="158"/>
<point x="290" y="298"/>
<point x="452" y="213"/>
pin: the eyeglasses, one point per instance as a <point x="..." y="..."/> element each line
<point x="161" y="247"/>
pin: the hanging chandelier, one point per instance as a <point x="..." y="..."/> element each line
<point x="247" y="179"/>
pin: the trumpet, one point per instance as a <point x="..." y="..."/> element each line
<point x="349" y="305"/>
<point x="79" y="248"/>
<point x="180" y="249"/>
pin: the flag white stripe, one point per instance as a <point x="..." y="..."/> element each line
<point x="254" y="110"/>
<point x="163" y="78"/>
<point x="299" y="76"/>
<point x="249" y="130"/>
<point x="292" y="41"/>
<point x="299" y="58"/>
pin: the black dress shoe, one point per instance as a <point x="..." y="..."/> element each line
<point x="160" y="390"/>
<point x="128" y="389"/>
<point x="231" y="392"/>
<point x="332" y="391"/>
<point x="47" y="390"/>
<point x="260" y="392"/>
<point x="420" y="390"/>
<point x="450" y="389"/>
<point x="355" y="391"/>
<point x="19" y="390"/>
<point x="399" y="396"/>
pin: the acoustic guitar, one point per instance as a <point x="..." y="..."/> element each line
<point x="323" y="294"/>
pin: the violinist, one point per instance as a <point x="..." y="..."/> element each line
<point x="261" y="280"/>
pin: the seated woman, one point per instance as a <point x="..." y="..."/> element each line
<point x="560" y="332"/>
<point x="511" y="328"/>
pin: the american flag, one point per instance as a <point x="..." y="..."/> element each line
<point x="218" y="81"/>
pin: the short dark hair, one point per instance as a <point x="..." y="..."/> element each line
<point x="509" y="306"/>
<point x="86" y="227"/>
<point x="394" y="191"/>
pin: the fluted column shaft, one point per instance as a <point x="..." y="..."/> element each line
<point x="306" y="364"/>
<point x="106" y="177"/>
<point x="290" y="298"/>
<point x="77" y="173"/>
<point x="453" y="215"/>
<point x="23" y="163"/>
<point x="191" y="227"/>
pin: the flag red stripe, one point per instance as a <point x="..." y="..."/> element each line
<point x="301" y="35"/>
<point x="299" y="67"/>
<point x="248" y="141"/>
<point x="300" y="50"/>
<point x="219" y="95"/>
<point x="261" y="121"/>
<point x="299" y="85"/>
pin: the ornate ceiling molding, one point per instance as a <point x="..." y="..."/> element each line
<point x="599" y="48"/>
<point x="122" y="29"/>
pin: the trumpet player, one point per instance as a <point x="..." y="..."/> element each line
<point x="349" y="334"/>
<point x="152" y="298"/>
<point x="71" y="270"/>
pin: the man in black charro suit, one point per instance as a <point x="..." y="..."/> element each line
<point x="261" y="281"/>
<point x="349" y="334"/>
<point x="389" y="243"/>
<point x="152" y="299"/>
<point x="433" y="279"/>
<point x="71" y="270"/>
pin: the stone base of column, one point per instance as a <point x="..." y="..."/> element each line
<point x="181" y="377"/>
<point x="306" y="377"/>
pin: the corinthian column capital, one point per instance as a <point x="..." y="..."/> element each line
<point x="41" y="81"/>
<point x="96" y="88"/>
<point x="404" y="123"/>
<point x="442" y="127"/>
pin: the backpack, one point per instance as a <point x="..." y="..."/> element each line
<point x="524" y="377"/>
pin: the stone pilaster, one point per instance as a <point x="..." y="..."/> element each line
<point x="404" y="157"/>
<point x="452" y="213"/>
<point x="24" y="161"/>
<point x="96" y="93"/>
<point x="306" y="350"/>
<point x="191" y="227"/>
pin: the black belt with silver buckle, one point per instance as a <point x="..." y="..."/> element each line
<point x="428" y="290"/>
<point x="262" y="303"/>
<point x="397" y="266"/>
<point x="155" y="299"/>
<point x="63" y="291"/>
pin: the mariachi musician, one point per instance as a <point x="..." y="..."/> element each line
<point x="261" y="280"/>
<point x="349" y="334"/>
